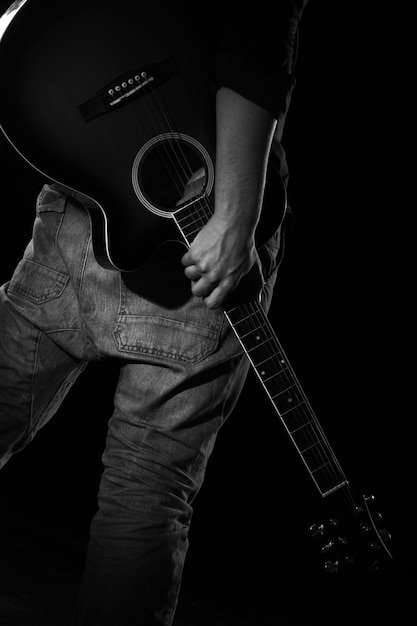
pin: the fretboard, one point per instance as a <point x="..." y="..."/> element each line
<point x="273" y="369"/>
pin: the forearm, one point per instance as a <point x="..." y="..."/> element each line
<point x="244" y="135"/>
<point x="224" y="250"/>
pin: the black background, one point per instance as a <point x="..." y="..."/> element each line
<point x="342" y="311"/>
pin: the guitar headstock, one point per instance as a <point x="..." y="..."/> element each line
<point x="352" y="539"/>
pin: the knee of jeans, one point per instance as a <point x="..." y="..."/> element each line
<point x="148" y="490"/>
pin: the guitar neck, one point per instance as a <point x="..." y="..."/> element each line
<point x="264" y="351"/>
<point x="267" y="357"/>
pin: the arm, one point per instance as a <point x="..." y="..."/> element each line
<point x="224" y="250"/>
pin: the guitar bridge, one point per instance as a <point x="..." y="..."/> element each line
<point x="128" y="86"/>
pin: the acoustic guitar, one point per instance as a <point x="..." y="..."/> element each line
<point x="119" y="112"/>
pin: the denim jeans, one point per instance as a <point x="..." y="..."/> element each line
<point x="181" y="371"/>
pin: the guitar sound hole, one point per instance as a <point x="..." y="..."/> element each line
<point x="171" y="172"/>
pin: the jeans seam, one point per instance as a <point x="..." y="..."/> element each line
<point x="31" y="425"/>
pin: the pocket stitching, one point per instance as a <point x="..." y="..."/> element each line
<point x="60" y="282"/>
<point x="212" y="337"/>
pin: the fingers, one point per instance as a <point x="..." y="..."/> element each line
<point x="202" y="282"/>
<point x="192" y="272"/>
<point x="213" y="295"/>
<point x="206" y="285"/>
<point x="187" y="259"/>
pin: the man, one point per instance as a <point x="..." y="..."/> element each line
<point x="181" y="367"/>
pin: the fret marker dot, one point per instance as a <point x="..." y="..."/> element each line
<point x="257" y="337"/>
<point x="289" y="400"/>
<point x="263" y="373"/>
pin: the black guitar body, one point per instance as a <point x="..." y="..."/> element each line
<point x="114" y="102"/>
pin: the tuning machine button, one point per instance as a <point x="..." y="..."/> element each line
<point x="327" y="546"/>
<point x="332" y="567"/>
<point x="343" y="541"/>
<point x="385" y="535"/>
<point x="317" y="530"/>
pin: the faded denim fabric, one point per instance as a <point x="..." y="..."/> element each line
<point x="181" y="372"/>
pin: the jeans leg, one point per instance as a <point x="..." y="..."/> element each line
<point x="159" y="440"/>
<point x="35" y="376"/>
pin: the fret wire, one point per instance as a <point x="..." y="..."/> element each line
<point x="259" y="345"/>
<point x="301" y="438"/>
<point x="302" y="426"/>
<point x="269" y="358"/>
<point x="192" y="232"/>
<point x="308" y="426"/>
<point x="313" y="445"/>
<point x="191" y="220"/>
<point x="321" y="466"/>
<point x="317" y="451"/>
<point x="250" y="332"/>
<point x="266" y="380"/>
<point x="291" y="409"/>
<point x="198" y="211"/>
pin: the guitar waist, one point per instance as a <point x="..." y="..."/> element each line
<point x="85" y="200"/>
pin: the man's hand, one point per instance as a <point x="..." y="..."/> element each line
<point x="220" y="255"/>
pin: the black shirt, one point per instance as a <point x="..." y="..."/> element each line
<point x="248" y="47"/>
<point x="255" y="50"/>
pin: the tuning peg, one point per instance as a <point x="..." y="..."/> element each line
<point x="331" y="567"/>
<point x="365" y="528"/>
<point x="317" y="530"/>
<point x="376" y="516"/>
<point x="374" y="566"/>
<point x="385" y="535"/>
<point x="327" y="546"/>
<point x="343" y="541"/>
